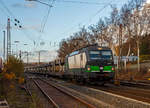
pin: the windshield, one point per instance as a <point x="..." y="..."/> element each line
<point x="103" y="54"/>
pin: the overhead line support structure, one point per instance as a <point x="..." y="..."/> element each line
<point x="8" y="38"/>
<point x="4" y="46"/>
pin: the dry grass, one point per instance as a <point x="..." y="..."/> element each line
<point x="133" y="74"/>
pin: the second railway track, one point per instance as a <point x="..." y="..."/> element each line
<point x="130" y="92"/>
<point x="59" y="97"/>
<point x="126" y="91"/>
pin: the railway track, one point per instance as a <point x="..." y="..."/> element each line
<point x="135" y="90"/>
<point x="139" y="84"/>
<point x="115" y="96"/>
<point x="60" y="98"/>
<point x="130" y="92"/>
<point x="126" y="90"/>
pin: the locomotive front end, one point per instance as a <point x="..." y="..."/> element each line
<point x="100" y="64"/>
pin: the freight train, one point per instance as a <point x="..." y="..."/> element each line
<point x="91" y="63"/>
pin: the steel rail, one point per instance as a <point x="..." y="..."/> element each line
<point x="126" y="91"/>
<point x="69" y="94"/>
<point x="135" y="83"/>
<point x="29" y="93"/>
<point x="50" y="99"/>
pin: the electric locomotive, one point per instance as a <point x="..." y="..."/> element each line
<point x="92" y="63"/>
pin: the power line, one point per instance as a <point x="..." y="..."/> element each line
<point x="42" y="3"/>
<point x="81" y="2"/>
<point x="100" y="10"/>
<point x="10" y="14"/>
<point x="92" y="16"/>
<point x="2" y="3"/>
<point x="4" y="12"/>
<point x="46" y="17"/>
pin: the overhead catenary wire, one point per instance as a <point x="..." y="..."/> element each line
<point x="44" y="21"/>
<point x="3" y="4"/>
<point x="81" y="2"/>
<point x="46" y="17"/>
<point x="90" y="18"/>
<point x="100" y="10"/>
<point x="43" y="3"/>
<point x="8" y="13"/>
<point x="3" y="11"/>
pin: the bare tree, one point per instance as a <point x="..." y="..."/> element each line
<point x="76" y="41"/>
<point x="138" y="20"/>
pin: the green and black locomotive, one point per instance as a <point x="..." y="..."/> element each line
<point x="92" y="63"/>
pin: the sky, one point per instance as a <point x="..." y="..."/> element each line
<point x="65" y="18"/>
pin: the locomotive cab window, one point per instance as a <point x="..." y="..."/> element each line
<point x="106" y="55"/>
<point x="103" y="54"/>
<point x="95" y="55"/>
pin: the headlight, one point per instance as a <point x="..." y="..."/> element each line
<point x="88" y="68"/>
<point x="113" y="68"/>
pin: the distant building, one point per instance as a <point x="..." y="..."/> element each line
<point x="123" y="58"/>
